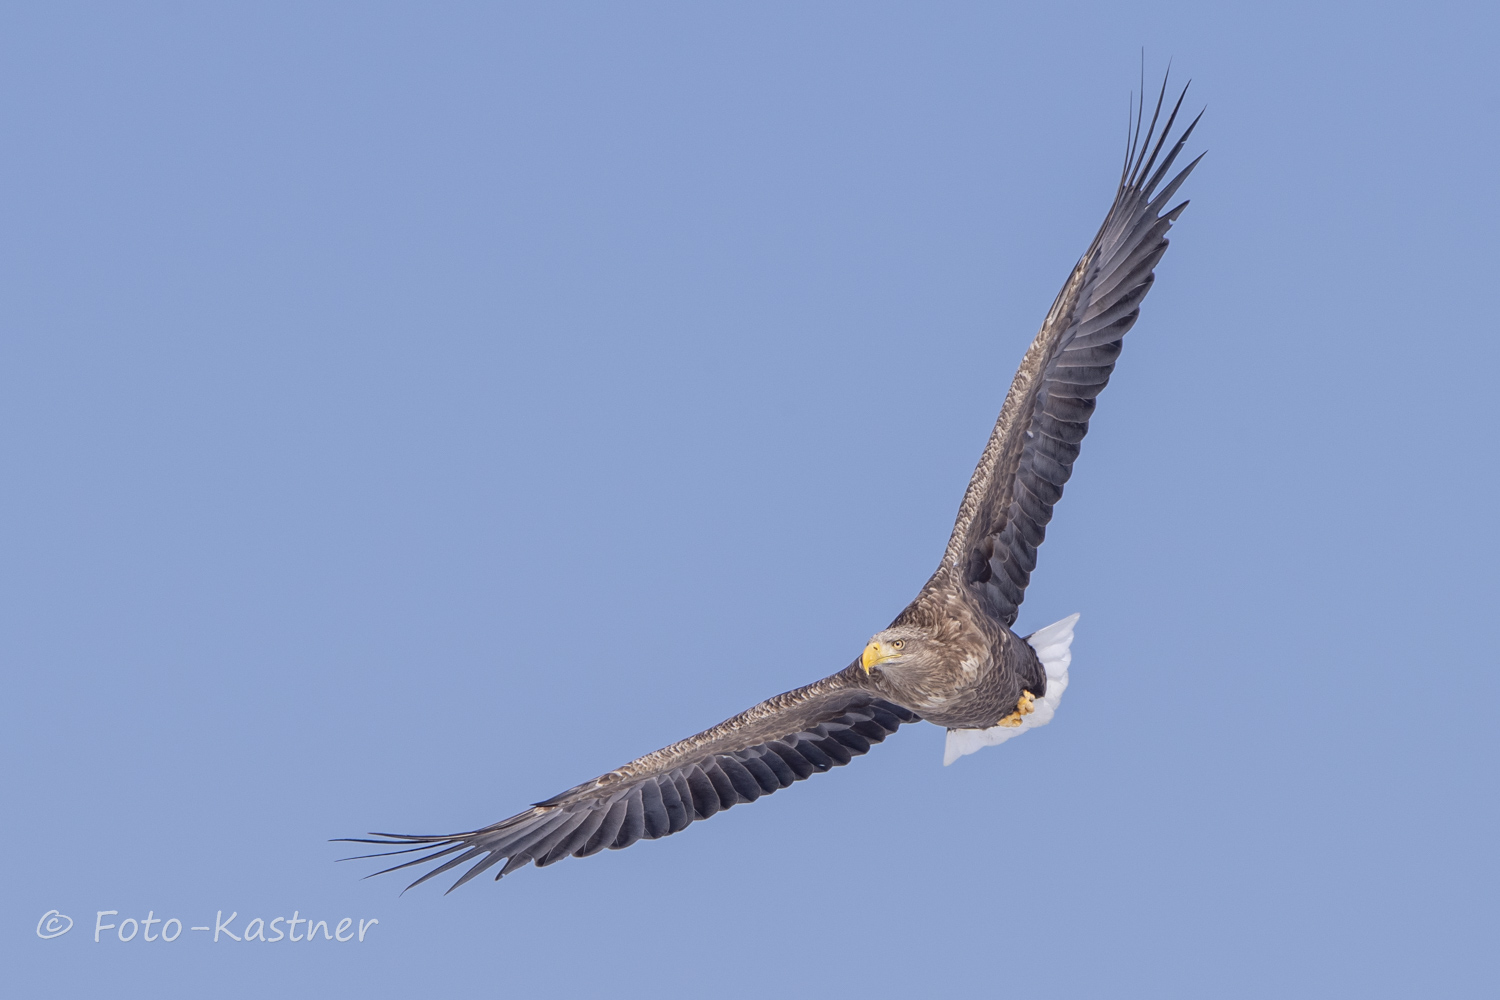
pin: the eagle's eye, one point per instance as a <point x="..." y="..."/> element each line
<point x="898" y="643"/>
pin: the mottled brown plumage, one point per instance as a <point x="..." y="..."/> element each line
<point x="950" y="657"/>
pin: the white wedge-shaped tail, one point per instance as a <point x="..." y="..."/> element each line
<point x="1052" y="645"/>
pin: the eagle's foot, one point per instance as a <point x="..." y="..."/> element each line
<point x="1024" y="707"/>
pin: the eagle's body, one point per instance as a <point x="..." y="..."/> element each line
<point x="950" y="657"/>
<point x="982" y="673"/>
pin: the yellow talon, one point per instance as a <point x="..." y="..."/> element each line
<point x="1024" y="707"/>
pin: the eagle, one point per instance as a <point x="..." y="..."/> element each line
<point x="950" y="657"/>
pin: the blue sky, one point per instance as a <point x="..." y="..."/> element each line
<point x="410" y="412"/>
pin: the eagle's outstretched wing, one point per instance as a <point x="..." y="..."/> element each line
<point x="781" y="740"/>
<point x="1030" y="454"/>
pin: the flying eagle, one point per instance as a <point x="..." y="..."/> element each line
<point x="949" y="658"/>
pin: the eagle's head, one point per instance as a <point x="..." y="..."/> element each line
<point x="899" y="648"/>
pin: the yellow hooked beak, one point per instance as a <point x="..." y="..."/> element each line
<point x="876" y="653"/>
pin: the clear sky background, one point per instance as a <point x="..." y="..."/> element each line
<point x="410" y="411"/>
